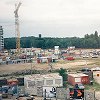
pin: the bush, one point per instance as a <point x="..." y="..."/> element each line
<point x="63" y="73"/>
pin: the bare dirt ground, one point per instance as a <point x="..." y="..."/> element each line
<point x="23" y="66"/>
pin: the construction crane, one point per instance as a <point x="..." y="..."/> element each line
<point x="17" y="32"/>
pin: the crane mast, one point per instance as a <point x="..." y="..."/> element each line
<point x="17" y="31"/>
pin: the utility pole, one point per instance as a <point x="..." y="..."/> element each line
<point x="17" y="32"/>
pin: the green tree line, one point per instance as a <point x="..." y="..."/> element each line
<point x="89" y="41"/>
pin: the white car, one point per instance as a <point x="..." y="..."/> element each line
<point x="85" y="56"/>
<point x="94" y="56"/>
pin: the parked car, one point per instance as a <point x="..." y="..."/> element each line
<point x="85" y="69"/>
<point x="85" y="56"/>
<point x="94" y="56"/>
<point x="95" y="69"/>
<point x="70" y="58"/>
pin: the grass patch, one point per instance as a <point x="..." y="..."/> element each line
<point x="95" y="86"/>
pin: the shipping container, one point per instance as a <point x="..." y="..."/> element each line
<point x="12" y="82"/>
<point x="38" y="61"/>
<point x="70" y="58"/>
<point x="84" y="78"/>
<point x="74" y="79"/>
<point x="78" y="78"/>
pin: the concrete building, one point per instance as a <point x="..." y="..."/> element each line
<point x="1" y="39"/>
<point x="36" y="83"/>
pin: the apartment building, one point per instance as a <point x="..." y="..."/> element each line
<point x="1" y="39"/>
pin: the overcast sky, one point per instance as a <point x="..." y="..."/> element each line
<point x="51" y="18"/>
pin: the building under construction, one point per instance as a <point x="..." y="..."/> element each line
<point x="1" y="39"/>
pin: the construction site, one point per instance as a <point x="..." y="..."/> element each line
<point x="34" y="62"/>
<point x="48" y="74"/>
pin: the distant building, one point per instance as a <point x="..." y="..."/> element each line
<point x="1" y="39"/>
<point x="40" y="36"/>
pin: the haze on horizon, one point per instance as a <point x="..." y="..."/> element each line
<point x="51" y="18"/>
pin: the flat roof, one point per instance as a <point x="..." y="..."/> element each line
<point x="78" y="75"/>
<point x="38" y="76"/>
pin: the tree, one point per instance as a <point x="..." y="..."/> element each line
<point x="62" y="73"/>
<point x="89" y="41"/>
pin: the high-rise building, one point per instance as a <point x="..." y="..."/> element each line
<point x="1" y="39"/>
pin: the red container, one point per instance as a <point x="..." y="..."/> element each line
<point x="49" y="60"/>
<point x="78" y="78"/>
<point x="70" y="58"/>
<point x="74" y="79"/>
<point x="12" y="82"/>
<point x="85" y="79"/>
<point x="38" y="61"/>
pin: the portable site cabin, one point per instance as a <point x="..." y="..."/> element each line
<point x="78" y="78"/>
<point x="52" y="80"/>
<point x="34" y="84"/>
<point x="84" y="78"/>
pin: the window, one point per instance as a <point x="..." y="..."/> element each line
<point x="49" y="82"/>
<point x="57" y="81"/>
<point x="31" y="84"/>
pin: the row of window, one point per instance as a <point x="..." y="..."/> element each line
<point x="39" y="83"/>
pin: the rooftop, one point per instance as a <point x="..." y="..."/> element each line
<point x="78" y="75"/>
<point x="38" y="76"/>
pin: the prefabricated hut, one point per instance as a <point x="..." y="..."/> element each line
<point x="32" y="82"/>
<point x="78" y="78"/>
<point x="53" y="79"/>
<point x="37" y="82"/>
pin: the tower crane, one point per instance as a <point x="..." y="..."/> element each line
<point x="17" y="32"/>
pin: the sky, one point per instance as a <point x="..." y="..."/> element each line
<point x="51" y="18"/>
